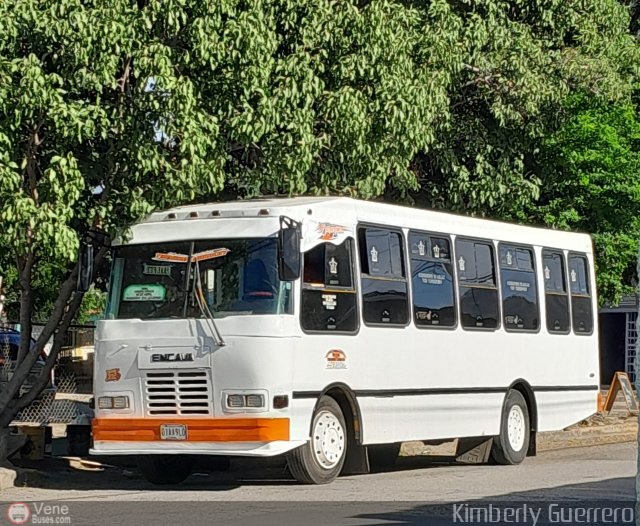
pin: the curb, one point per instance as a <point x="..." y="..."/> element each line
<point x="7" y="478"/>
<point x="595" y="436"/>
<point x="582" y="436"/>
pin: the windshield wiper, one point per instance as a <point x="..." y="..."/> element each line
<point x="204" y="308"/>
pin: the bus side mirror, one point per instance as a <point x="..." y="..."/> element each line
<point x="85" y="268"/>
<point x="289" y="258"/>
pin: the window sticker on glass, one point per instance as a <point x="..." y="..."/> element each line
<point x="210" y="254"/>
<point x="156" y="270"/>
<point x="329" y="301"/>
<point x="174" y="257"/>
<point x="144" y="293"/>
<point x="432" y="278"/>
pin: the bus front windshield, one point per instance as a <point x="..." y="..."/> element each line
<point x="237" y="277"/>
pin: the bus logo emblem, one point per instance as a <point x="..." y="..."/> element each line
<point x="172" y="357"/>
<point x="112" y="375"/>
<point x="336" y="359"/>
<point x="329" y="232"/>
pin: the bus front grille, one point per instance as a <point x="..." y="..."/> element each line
<point x="178" y="393"/>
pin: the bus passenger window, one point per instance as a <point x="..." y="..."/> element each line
<point x="479" y="308"/>
<point x="519" y="289"/>
<point x="432" y="281"/>
<point x="384" y="283"/>
<point x="556" y="298"/>
<point x="329" y="300"/>
<point x="580" y="295"/>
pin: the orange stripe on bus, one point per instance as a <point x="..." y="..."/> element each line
<point x="198" y="429"/>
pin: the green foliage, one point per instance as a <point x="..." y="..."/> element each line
<point x="590" y="171"/>
<point x="110" y="109"/>
<point x="92" y="308"/>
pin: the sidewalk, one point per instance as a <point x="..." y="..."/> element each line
<point x="616" y="427"/>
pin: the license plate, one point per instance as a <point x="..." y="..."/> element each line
<point x="173" y="432"/>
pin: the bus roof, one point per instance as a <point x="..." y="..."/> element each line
<point x="348" y="211"/>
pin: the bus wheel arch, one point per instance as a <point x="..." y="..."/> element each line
<point x="529" y="396"/>
<point x="357" y="460"/>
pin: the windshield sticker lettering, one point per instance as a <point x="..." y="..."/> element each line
<point x="184" y="258"/>
<point x="210" y="254"/>
<point x="144" y="293"/>
<point x="156" y="270"/>
<point x="174" y="257"/>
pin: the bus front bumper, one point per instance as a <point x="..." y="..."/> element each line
<point x="210" y="436"/>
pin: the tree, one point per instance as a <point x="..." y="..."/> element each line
<point x="590" y="181"/>
<point x="110" y="109"/>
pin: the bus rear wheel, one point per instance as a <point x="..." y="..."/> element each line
<point x="321" y="459"/>
<point x="165" y="469"/>
<point x="511" y="446"/>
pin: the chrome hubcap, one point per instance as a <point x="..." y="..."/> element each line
<point x="328" y="439"/>
<point x="516" y="428"/>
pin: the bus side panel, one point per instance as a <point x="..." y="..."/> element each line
<point x="429" y="417"/>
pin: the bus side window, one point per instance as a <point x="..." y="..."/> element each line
<point x="384" y="282"/>
<point x="580" y="294"/>
<point x="479" y="306"/>
<point x="329" y="300"/>
<point x="432" y="281"/>
<point x="555" y="292"/>
<point x="519" y="289"/>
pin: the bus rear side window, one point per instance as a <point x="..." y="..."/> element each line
<point x="384" y="284"/>
<point x="582" y="315"/>
<point x="329" y="300"/>
<point x="555" y="292"/>
<point x="479" y="308"/>
<point x="432" y="281"/>
<point x="519" y="289"/>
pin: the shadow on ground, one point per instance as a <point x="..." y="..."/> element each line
<point x="119" y="473"/>
<point x="570" y="504"/>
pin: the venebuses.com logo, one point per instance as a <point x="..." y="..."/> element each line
<point x="19" y="513"/>
<point x="38" y="513"/>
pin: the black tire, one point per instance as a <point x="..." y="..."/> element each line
<point x="165" y="469"/>
<point x="304" y="463"/>
<point x="383" y="455"/>
<point x="503" y="451"/>
<point x="78" y="440"/>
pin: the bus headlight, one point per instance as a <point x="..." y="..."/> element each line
<point x="254" y="400"/>
<point x="244" y="401"/>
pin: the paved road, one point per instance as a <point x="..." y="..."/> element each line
<point x="602" y="473"/>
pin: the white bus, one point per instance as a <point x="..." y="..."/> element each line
<point x="329" y="328"/>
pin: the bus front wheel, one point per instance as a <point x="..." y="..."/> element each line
<point x="321" y="459"/>
<point x="511" y="446"/>
<point x="165" y="469"/>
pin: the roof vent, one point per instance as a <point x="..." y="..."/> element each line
<point x="264" y="212"/>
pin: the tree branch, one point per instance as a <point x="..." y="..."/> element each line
<point x="10" y="407"/>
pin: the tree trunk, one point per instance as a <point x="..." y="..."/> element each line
<point x="4" y="447"/>
<point x="63" y="313"/>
